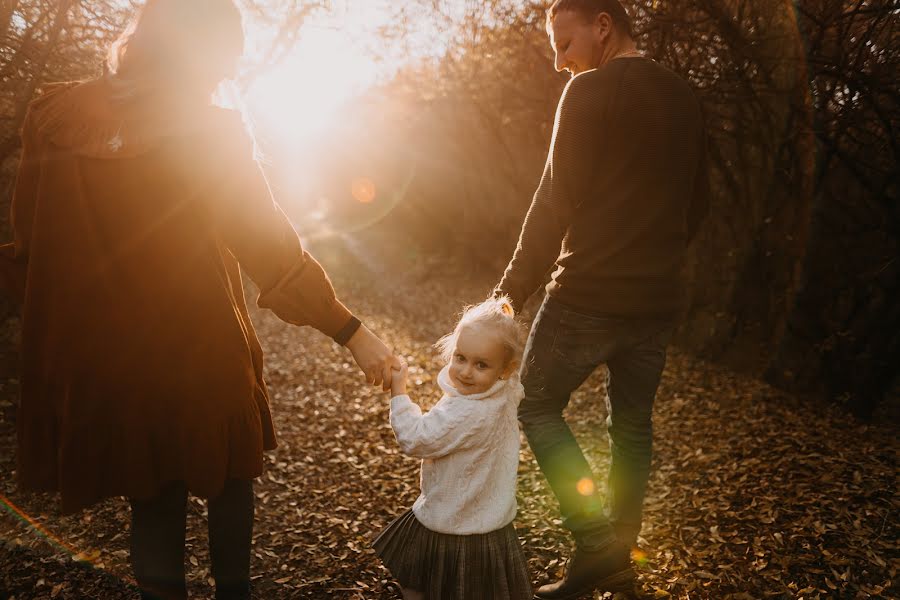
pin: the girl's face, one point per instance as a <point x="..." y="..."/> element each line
<point x="479" y="360"/>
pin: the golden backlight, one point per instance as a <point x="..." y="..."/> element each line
<point x="302" y="95"/>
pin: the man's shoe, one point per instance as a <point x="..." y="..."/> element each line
<point x="608" y="570"/>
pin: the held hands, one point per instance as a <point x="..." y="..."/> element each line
<point x="398" y="379"/>
<point x="373" y="357"/>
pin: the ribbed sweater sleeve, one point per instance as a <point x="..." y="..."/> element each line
<point x="565" y="178"/>
<point x="624" y="190"/>
<point x="448" y="427"/>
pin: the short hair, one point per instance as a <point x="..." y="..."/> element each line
<point x="496" y="313"/>
<point x="589" y="9"/>
<point x="188" y="40"/>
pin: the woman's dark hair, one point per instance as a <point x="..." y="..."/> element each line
<point x="178" y="43"/>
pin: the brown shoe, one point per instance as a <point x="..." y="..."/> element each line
<point x="607" y="570"/>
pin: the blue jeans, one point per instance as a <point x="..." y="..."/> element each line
<point x="563" y="349"/>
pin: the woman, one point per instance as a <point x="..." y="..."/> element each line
<point x="135" y="203"/>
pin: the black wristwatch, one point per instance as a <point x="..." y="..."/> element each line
<point x="343" y="336"/>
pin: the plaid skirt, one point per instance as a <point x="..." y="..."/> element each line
<point x="484" y="566"/>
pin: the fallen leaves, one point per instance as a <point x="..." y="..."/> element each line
<point x="753" y="494"/>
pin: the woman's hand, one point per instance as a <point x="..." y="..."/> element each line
<point x="398" y="379"/>
<point x="374" y="358"/>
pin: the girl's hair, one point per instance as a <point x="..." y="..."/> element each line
<point x="184" y="45"/>
<point x="496" y="313"/>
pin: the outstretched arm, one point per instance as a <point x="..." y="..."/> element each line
<point x="444" y="429"/>
<point x="563" y="186"/>
<point x="292" y="283"/>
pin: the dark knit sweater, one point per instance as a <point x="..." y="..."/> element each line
<point x="623" y="191"/>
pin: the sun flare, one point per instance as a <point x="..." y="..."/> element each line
<point x="585" y="486"/>
<point x="301" y="96"/>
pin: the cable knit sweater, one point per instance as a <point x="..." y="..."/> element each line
<point x="469" y="446"/>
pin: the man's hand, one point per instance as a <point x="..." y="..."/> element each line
<point x="398" y="380"/>
<point x="373" y="357"/>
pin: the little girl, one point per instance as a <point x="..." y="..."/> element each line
<point x="458" y="540"/>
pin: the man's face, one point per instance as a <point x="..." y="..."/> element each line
<point x="576" y="41"/>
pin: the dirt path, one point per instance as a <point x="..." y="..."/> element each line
<point x="753" y="494"/>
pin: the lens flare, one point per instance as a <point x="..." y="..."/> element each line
<point x="384" y="199"/>
<point x="363" y="190"/>
<point x="639" y="557"/>
<point x="585" y="486"/>
<point x="92" y="557"/>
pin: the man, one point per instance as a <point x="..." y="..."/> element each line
<point x="622" y="194"/>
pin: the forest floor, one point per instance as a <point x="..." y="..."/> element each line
<point x="754" y="494"/>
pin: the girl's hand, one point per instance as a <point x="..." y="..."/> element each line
<point x="398" y="379"/>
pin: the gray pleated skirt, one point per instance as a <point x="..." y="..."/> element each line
<point x="484" y="566"/>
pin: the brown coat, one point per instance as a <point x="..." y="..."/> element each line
<point x="140" y="363"/>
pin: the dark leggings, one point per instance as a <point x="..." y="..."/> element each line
<point x="157" y="541"/>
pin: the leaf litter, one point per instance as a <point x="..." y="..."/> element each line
<point x="753" y="494"/>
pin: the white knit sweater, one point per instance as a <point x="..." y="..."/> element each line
<point x="469" y="446"/>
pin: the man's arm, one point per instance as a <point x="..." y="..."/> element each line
<point x="563" y="186"/>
